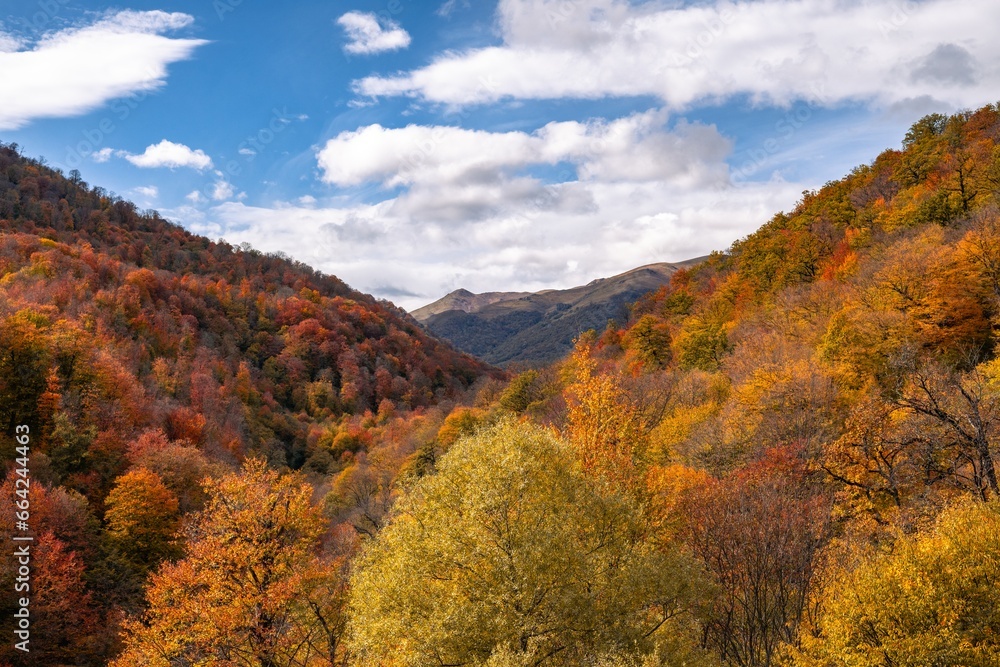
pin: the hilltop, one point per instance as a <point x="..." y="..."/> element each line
<point x="235" y="350"/>
<point x="536" y="328"/>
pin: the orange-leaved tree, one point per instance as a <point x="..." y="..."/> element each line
<point x="603" y="424"/>
<point x="254" y="589"/>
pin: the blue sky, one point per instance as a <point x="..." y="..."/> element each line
<point x="412" y="148"/>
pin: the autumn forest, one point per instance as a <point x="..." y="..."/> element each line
<point x="786" y="457"/>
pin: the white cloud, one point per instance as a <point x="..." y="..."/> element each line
<point x="881" y="52"/>
<point x="222" y="190"/>
<point x="148" y="191"/>
<point x="636" y="148"/>
<point x="368" y="33"/>
<point x="247" y="151"/>
<point x="168" y="154"/>
<point x="75" y="70"/>
<point x="102" y="155"/>
<point x="454" y="176"/>
<point x="9" y="43"/>
<point x="194" y="197"/>
<point x="307" y="200"/>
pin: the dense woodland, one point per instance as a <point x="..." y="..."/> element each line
<point x="786" y="457"/>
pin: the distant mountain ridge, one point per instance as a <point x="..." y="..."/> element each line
<point x="534" y="328"/>
<point x="464" y="300"/>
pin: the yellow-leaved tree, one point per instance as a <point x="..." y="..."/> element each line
<point x="602" y="423"/>
<point x="254" y="588"/>
<point x="509" y="555"/>
<point x="934" y="600"/>
<point x="142" y="517"/>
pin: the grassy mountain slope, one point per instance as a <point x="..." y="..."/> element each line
<point x="538" y="328"/>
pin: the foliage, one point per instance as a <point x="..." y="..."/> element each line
<point x="752" y="469"/>
<point x="759" y="532"/>
<point x="508" y="555"/>
<point x="932" y="600"/>
<point x="603" y="425"/>
<point x="142" y="518"/>
<point x="253" y="588"/>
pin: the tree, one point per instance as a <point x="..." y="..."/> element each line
<point x="182" y="467"/>
<point x="520" y="393"/>
<point x="965" y="411"/>
<point x="253" y="589"/>
<point x="142" y="519"/>
<point x="649" y="340"/>
<point x="604" y="426"/>
<point x="23" y="367"/>
<point x="509" y="555"/>
<point x="932" y="600"/>
<point x="758" y="531"/>
<point x="362" y="495"/>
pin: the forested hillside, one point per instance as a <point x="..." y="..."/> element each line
<point x="786" y="457"/>
<point x="141" y="356"/>
<point x="815" y="414"/>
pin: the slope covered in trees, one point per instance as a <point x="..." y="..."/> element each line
<point x="143" y="358"/>
<point x="786" y="457"/>
<point x="229" y="348"/>
<point x="817" y="411"/>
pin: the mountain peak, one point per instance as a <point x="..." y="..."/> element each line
<point x="539" y="327"/>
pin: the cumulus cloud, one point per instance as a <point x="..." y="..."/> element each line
<point x="148" y="192"/>
<point x="222" y="190"/>
<point x="473" y="209"/>
<point x="826" y="52"/>
<point x="452" y="175"/>
<point x="639" y="147"/>
<point x="516" y="210"/>
<point x="168" y="154"/>
<point x="102" y="155"/>
<point x="75" y="70"/>
<point x="368" y="33"/>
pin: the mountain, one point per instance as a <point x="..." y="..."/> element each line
<point x="138" y="360"/>
<point x="464" y="300"/>
<point x="538" y="327"/>
<point x="232" y="349"/>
